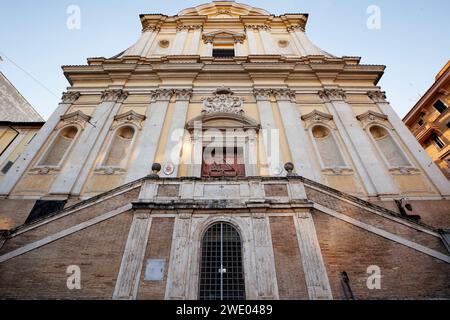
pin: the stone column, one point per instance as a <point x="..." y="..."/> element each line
<point x="127" y="283"/>
<point x="196" y="37"/>
<point x="266" y="40"/>
<point x="252" y="167"/>
<point x="239" y="47"/>
<point x="249" y="31"/>
<point x="174" y="142"/>
<point x="208" y="48"/>
<point x="295" y="134"/>
<point x="180" y="40"/>
<point x="270" y="132"/>
<point x="84" y="153"/>
<point x="267" y="286"/>
<point x="195" y="168"/>
<point x="144" y="152"/>
<point x="177" y="277"/>
<point x="313" y="266"/>
<point x="21" y="165"/>
<point x="291" y="30"/>
<point x="424" y="160"/>
<point x="376" y="178"/>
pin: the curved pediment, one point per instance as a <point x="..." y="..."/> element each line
<point x="223" y="10"/>
<point x="223" y="121"/>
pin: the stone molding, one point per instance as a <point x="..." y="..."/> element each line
<point x="284" y="94"/>
<point x="114" y="95"/>
<point x="129" y="117"/>
<point x="223" y="102"/>
<point x="297" y="27"/>
<point x="258" y="27"/>
<point x="183" y="94"/>
<point x="377" y="96"/>
<point x="161" y="94"/>
<point x="372" y="117"/>
<point x="317" y="117"/>
<point x="70" y="97"/>
<point x="328" y="95"/>
<point x="77" y="117"/>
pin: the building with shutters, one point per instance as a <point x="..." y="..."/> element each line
<point x="429" y="120"/>
<point x="224" y="156"/>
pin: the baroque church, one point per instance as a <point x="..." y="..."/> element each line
<point x="224" y="156"/>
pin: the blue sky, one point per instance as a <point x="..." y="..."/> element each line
<point x="413" y="41"/>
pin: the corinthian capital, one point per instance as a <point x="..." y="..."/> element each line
<point x="284" y="94"/>
<point x="183" y="94"/>
<point x="114" y="95"/>
<point x="70" y="97"/>
<point x="262" y="94"/>
<point x="377" y="96"/>
<point x="161" y="94"/>
<point x="296" y="27"/>
<point x="332" y="95"/>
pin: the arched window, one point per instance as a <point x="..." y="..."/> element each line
<point x="120" y="147"/>
<point x="327" y="147"/>
<point x="388" y="147"/>
<point x="59" y="148"/>
<point x="221" y="270"/>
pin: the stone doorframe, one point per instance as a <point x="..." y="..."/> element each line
<point x="238" y="128"/>
<point x="257" y="255"/>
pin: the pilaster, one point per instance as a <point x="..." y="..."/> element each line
<point x="32" y="149"/>
<point x="174" y="142"/>
<point x="295" y="134"/>
<point x="144" y="153"/>
<point x="375" y="177"/>
<point x="424" y="160"/>
<point x="72" y="176"/>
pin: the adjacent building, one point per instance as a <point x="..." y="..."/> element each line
<point x="224" y="156"/>
<point x="19" y="124"/>
<point x="429" y="120"/>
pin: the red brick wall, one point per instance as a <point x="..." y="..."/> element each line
<point x="288" y="265"/>
<point x="375" y="220"/>
<point x="41" y="273"/>
<point x="158" y="247"/>
<point x="406" y="273"/>
<point x="70" y="220"/>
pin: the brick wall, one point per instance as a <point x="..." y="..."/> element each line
<point x="41" y="273"/>
<point x="375" y="220"/>
<point x="158" y="247"/>
<point x="70" y="220"/>
<point x="406" y="273"/>
<point x="14" y="212"/>
<point x="289" y="270"/>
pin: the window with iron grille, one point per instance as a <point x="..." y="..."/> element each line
<point x="221" y="270"/>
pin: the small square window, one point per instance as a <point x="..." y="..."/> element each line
<point x="421" y="122"/>
<point x="439" y="106"/>
<point x="223" y="53"/>
<point x="437" y="141"/>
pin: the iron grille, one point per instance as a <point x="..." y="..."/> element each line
<point x="221" y="271"/>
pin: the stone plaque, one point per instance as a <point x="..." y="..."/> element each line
<point x="168" y="190"/>
<point x="154" y="270"/>
<point x="276" y="190"/>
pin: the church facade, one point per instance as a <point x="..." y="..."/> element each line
<point x="224" y="156"/>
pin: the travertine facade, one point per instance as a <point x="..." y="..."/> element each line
<point x="223" y="96"/>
